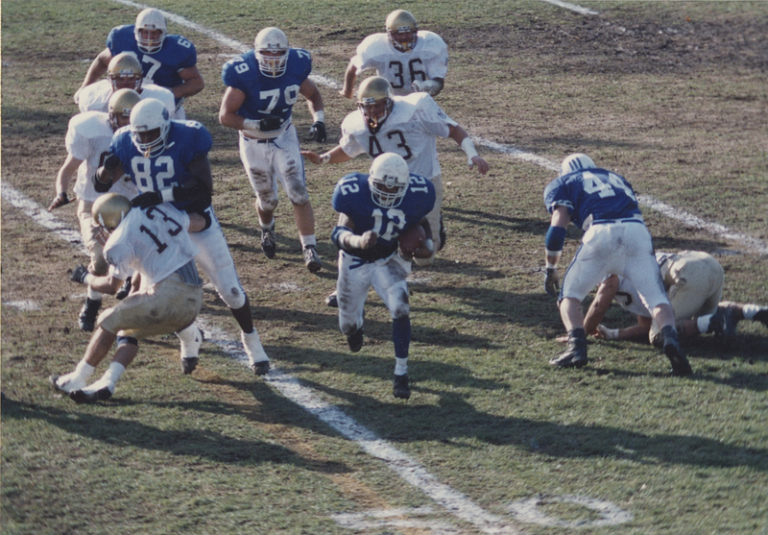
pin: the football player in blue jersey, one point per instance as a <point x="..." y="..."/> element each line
<point x="167" y="60"/>
<point x="374" y="210"/>
<point x="168" y="162"/>
<point x="615" y="241"/>
<point x="263" y="84"/>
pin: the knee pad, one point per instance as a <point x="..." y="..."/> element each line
<point x="235" y="297"/>
<point x="124" y="340"/>
<point x="268" y="201"/>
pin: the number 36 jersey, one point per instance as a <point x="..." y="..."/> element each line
<point x="411" y="130"/>
<point x="153" y="241"/>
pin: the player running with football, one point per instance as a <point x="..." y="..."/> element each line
<point x="615" y="241"/>
<point x="87" y="141"/>
<point x="155" y="243"/>
<point x="263" y="84"/>
<point x="375" y="209"/>
<point x="167" y="60"/>
<point x="409" y="58"/>
<point x="168" y="162"/>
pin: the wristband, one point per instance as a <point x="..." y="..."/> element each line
<point x="319" y="116"/>
<point x="551" y="266"/>
<point x="251" y="124"/>
<point x="89" y="278"/>
<point x="167" y="195"/>
<point x="469" y="149"/>
<point x="554" y="240"/>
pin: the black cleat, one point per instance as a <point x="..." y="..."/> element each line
<point x="268" y="244"/>
<point x="188" y="364"/>
<point x="576" y="355"/>
<point x="401" y="389"/>
<point x="332" y="301"/>
<point x="441" y="233"/>
<point x="261" y="367"/>
<point x="717" y="322"/>
<point x="123" y="292"/>
<point x="762" y="316"/>
<point x="312" y="259"/>
<point x="731" y="316"/>
<point x="355" y="340"/>
<point x="680" y="365"/>
<point x="102" y="394"/>
<point x="88" y="314"/>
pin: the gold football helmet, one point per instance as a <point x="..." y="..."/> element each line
<point x="374" y="99"/>
<point x="110" y="209"/>
<point x="124" y="71"/>
<point x="402" y="30"/>
<point x="120" y="105"/>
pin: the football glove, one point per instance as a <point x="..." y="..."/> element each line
<point x="79" y="274"/>
<point x="147" y="199"/>
<point x="60" y="200"/>
<point x="552" y="282"/>
<point x="270" y="122"/>
<point x="317" y="132"/>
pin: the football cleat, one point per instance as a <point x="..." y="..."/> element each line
<point x="680" y="365"/>
<point x="762" y="316"/>
<point x="261" y="367"/>
<point x="355" y="340"/>
<point x="268" y="244"/>
<point x="332" y="300"/>
<point x="731" y="316"/>
<point x="441" y="234"/>
<point x="576" y="355"/>
<point x="716" y="322"/>
<point x="188" y="364"/>
<point x="63" y="383"/>
<point x="83" y="396"/>
<point x="312" y="259"/>
<point x="401" y="389"/>
<point x="88" y="314"/>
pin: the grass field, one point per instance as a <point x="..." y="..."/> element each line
<point x="671" y="95"/>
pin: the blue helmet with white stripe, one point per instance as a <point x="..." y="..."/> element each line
<point x="576" y="162"/>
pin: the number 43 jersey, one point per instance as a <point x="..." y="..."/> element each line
<point x="592" y="194"/>
<point x="153" y="241"/>
<point x="352" y="196"/>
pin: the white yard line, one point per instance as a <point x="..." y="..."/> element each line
<point x="571" y="7"/>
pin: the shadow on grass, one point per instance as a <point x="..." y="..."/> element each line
<point x="193" y="442"/>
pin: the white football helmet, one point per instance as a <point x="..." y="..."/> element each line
<point x="110" y="209"/>
<point x="120" y="105"/>
<point x="576" y="162"/>
<point x="402" y="30"/>
<point x="374" y="100"/>
<point x="124" y="71"/>
<point x="150" y="123"/>
<point x="271" y="46"/>
<point x="388" y="179"/>
<point x="150" y="20"/>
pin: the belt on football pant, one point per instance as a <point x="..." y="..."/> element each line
<point x="623" y="220"/>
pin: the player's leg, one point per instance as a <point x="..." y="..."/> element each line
<point x="257" y="161"/>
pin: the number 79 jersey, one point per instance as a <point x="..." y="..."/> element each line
<point x="153" y="241"/>
<point x="352" y="196"/>
<point x="598" y="193"/>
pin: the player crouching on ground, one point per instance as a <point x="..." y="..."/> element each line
<point x="155" y="243"/>
<point x="374" y="211"/>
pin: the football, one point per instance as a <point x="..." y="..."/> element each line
<point x="412" y="239"/>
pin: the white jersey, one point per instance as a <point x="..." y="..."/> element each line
<point x="95" y="97"/>
<point x="427" y="60"/>
<point x="88" y="137"/>
<point x="411" y="130"/>
<point x="153" y="241"/>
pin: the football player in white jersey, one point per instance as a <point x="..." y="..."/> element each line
<point x="87" y="141"/>
<point x="124" y="71"/>
<point x="408" y="126"/>
<point x="155" y="242"/>
<point x="409" y="58"/>
<point x="694" y="284"/>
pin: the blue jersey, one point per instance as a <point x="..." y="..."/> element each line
<point x="592" y="192"/>
<point x="265" y="95"/>
<point x="187" y="141"/>
<point x="352" y="196"/>
<point x="162" y="67"/>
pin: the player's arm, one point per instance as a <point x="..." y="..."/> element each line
<point x="335" y="155"/>
<point x="310" y="91"/>
<point x="601" y="303"/>
<point x="191" y="83"/>
<point x="231" y="102"/>
<point x="638" y="331"/>
<point x="460" y="136"/>
<point x="553" y="245"/>
<point x="345" y="238"/>
<point x="427" y="248"/>
<point x="108" y="284"/>
<point x="109" y="173"/>
<point x="97" y="68"/>
<point x="63" y="178"/>
<point x="433" y="86"/>
<point x="350" y="76"/>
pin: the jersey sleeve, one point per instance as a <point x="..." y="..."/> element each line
<point x="231" y="73"/>
<point x="437" y="64"/>
<point x="431" y="116"/>
<point x="366" y="52"/>
<point x="556" y="194"/>
<point x="75" y="142"/>
<point x="203" y="139"/>
<point x="185" y="51"/>
<point x="118" y="39"/>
